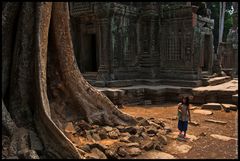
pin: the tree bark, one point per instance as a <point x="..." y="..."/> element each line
<point x="46" y="88"/>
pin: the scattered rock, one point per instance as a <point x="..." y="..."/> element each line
<point x="204" y="112"/>
<point x="144" y="122"/>
<point x="84" y="125"/>
<point x="113" y="134"/>
<point x="194" y="123"/>
<point x="96" y="137"/>
<point x="139" y="118"/>
<point x="89" y="136"/>
<point x="167" y="129"/>
<point x="155" y="125"/>
<point x="125" y="134"/>
<point x="133" y="144"/>
<point x="162" y="139"/>
<point x="99" y="153"/>
<point x="108" y="128"/>
<point x="121" y="152"/>
<point x="100" y="146"/>
<point x="133" y="151"/>
<point x="158" y="147"/>
<point x="111" y="154"/>
<point x="120" y="128"/>
<point x="148" y="145"/>
<point x="134" y="138"/>
<point x="131" y="130"/>
<point x="103" y="134"/>
<point x="156" y="155"/>
<point x="86" y="148"/>
<point x="228" y="107"/>
<point x="152" y="130"/>
<point x="125" y="140"/>
<point x="221" y="137"/>
<point x="212" y="106"/>
<point x="216" y="121"/>
<point x="143" y="134"/>
<point x="70" y="128"/>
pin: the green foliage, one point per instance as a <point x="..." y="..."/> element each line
<point x="214" y="7"/>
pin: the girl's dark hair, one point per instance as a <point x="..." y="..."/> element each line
<point x="187" y="101"/>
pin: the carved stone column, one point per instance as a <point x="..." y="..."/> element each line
<point x="103" y="30"/>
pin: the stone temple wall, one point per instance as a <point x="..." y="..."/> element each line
<point x="141" y="40"/>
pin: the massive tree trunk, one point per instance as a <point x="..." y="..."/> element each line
<point x="42" y="87"/>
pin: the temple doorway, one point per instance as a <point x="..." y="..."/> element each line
<point x="91" y="57"/>
<point x="206" y="53"/>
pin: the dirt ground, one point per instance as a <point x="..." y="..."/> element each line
<point x="206" y="146"/>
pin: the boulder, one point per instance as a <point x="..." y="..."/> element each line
<point x="122" y="152"/>
<point x="228" y="107"/>
<point x="96" y="137"/>
<point x="84" y="125"/>
<point x="162" y="139"/>
<point x="143" y="122"/>
<point x="148" y="145"/>
<point x="111" y="154"/>
<point x="86" y="148"/>
<point x="134" y="138"/>
<point x="156" y="155"/>
<point x="204" y="112"/>
<point x="212" y="106"/>
<point x="125" y="134"/>
<point x="221" y="137"/>
<point x="133" y="151"/>
<point x="120" y="127"/>
<point x="103" y="134"/>
<point x="158" y="147"/>
<point x="99" y="153"/>
<point x="152" y="130"/>
<point x="167" y="129"/>
<point x="131" y="130"/>
<point x="133" y="144"/>
<point x="216" y="121"/>
<point x="108" y="128"/>
<point x="99" y="146"/>
<point x="125" y="140"/>
<point x="113" y="134"/>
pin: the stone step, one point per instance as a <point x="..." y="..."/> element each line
<point x="228" y="107"/>
<point x="212" y="106"/>
<point x="218" y="80"/>
<point x="215" y="81"/>
<point x="90" y="75"/>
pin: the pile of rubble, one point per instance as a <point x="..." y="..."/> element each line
<point x="105" y="142"/>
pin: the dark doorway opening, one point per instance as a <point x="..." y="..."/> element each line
<point x="207" y="52"/>
<point x="91" y="63"/>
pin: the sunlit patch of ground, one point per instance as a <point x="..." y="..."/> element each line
<point x="205" y="146"/>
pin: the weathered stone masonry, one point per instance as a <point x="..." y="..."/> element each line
<point x="127" y="41"/>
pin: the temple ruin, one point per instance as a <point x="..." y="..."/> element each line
<point x="119" y="41"/>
